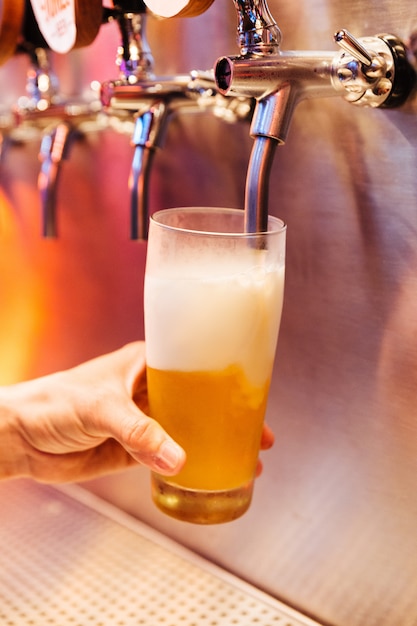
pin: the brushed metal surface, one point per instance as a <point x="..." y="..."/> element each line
<point x="332" y="526"/>
<point x="80" y="561"/>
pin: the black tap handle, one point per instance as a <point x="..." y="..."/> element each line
<point x="131" y="6"/>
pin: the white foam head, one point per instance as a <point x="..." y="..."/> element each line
<point x="208" y="316"/>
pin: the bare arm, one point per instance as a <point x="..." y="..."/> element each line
<point x="84" y="422"/>
<point x="87" y="421"/>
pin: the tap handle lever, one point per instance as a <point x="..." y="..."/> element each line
<point x="352" y="45"/>
<point x="373" y="71"/>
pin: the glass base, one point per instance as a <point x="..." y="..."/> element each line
<point x="200" y="507"/>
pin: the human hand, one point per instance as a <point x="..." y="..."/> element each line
<point x="83" y="422"/>
<point x="87" y="421"/>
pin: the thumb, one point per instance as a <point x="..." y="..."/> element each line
<point x="144" y="439"/>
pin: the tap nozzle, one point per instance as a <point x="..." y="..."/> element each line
<point x="150" y="126"/>
<point x="53" y="151"/>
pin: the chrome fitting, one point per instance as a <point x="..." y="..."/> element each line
<point x="257" y="31"/>
<point x="372" y="71"/>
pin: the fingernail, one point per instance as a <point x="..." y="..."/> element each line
<point x="169" y="455"/>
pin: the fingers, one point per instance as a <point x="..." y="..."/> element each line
<point x="147" y="442"/>
<point x="119" y="409"/>
<point x="267" y="438"/>
<point x="267" y="441"/>
<point x="259" y="468"/>
<point x="150" y="445"/>
<point x="107" y="457"/>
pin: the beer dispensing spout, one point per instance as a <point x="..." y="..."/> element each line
<point x="59" y="122"/>
<point x="55" y="146"/>
<point x="136" y="92"/>
<point x="370" y="71"/>
<point x="153" y="100"/>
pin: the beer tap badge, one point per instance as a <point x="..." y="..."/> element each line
<point x="56" y="21"/>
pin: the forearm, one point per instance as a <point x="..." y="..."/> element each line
<point x="12" y="456"/>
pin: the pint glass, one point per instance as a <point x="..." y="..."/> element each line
<point x="213" y="302"/>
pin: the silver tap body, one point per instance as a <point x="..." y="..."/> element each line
<point x="373" y="71"/>
<point x="277" y="83"/>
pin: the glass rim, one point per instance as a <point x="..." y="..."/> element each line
<point x="281" y="226"/>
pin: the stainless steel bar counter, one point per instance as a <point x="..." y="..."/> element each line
<point x="70" y="559"/>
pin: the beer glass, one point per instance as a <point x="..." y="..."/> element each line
<point x="213" y="300"/>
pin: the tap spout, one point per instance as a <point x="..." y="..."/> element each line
<point x="277" y="83"/>
<point x="268" y="128"/>
<point x="257" y="185"/>
<point x="54" y="149"/>
<point x="149" y="130"/>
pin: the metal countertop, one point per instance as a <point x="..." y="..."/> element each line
<point x="70" y="559"/>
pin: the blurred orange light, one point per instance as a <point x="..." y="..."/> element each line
<point x="21" y="299"/>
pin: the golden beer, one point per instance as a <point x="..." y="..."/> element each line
<point x="222" y="445"/>
<point x="212" y="314"/>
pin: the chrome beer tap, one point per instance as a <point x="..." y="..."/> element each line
<point x="16" y="123"/>
<point x="58" y="122"/>
<point x="136" y="91"/>
<point x="370" y="71"/>
<point x="153" y="100"/>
